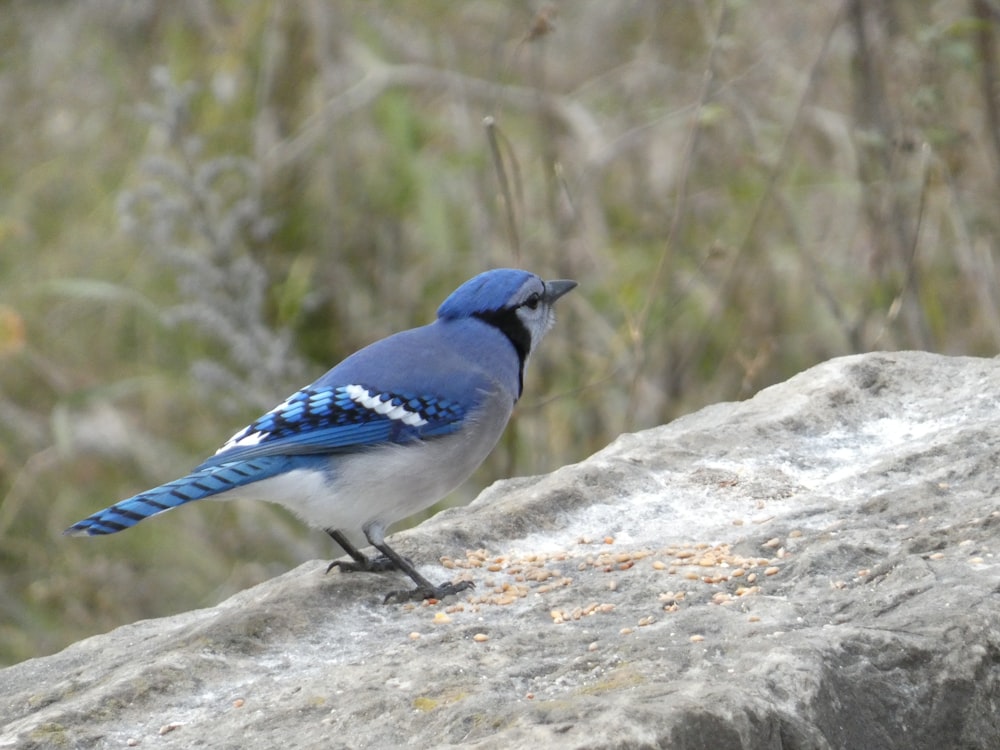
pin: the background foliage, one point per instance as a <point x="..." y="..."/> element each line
<point x="205" y="204"/>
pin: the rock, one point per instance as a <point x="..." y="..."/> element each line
<point x="813" y="568"/>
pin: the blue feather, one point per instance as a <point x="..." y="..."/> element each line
<point x="201" y="483"/>
<point x="340" y="420"/>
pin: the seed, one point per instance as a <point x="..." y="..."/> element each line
<point x="648" y="620"/>
<point x="480" y="637"/>
<point x="238" y="703"/>
<point x="659" y="565"/>
<point x="772" y="543"/>
<point x="739" y="573"/>
<point x="773" y="570"/>
<point x="696" y="638"/>
<point x="440" y="618"/>
<point x="937" y="556"/>
<point x="753" y="618"/>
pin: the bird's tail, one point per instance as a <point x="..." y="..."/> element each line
<point x="201" y="483"/>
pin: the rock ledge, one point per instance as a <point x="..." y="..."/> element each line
<point x="813" y="568"/>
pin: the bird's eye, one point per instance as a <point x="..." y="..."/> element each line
<point x="532" y="301"/>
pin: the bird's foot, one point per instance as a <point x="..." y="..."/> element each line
<point x="422" y="593"/>
<point x="378" y="564"/>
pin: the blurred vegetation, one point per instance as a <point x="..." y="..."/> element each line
<point x="206" y="204"/>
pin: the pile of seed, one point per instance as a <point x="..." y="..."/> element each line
<point x="689" y="566"/>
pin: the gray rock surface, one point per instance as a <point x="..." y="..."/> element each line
<point x="813" y="568"/>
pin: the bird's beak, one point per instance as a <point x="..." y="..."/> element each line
<point x="556" y="289"/>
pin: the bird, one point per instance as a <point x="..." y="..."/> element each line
<point x="385" y="433"/>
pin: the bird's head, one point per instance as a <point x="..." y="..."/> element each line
<point x="517" y="302"/>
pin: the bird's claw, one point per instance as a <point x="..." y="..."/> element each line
<point x="422" y="593"/>
<point x="379" y="564"/>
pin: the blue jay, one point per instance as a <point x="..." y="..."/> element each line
<point x="387" y="432"/>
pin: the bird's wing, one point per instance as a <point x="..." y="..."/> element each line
<point x="341" y="419"/>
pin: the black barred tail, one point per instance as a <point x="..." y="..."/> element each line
<point x="202" y="483"/>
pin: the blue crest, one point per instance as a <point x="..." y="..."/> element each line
<point x="489" y="291"/>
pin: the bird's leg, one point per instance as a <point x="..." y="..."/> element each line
<point x="361" y="563"/>
<point x="425" y="589"/>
